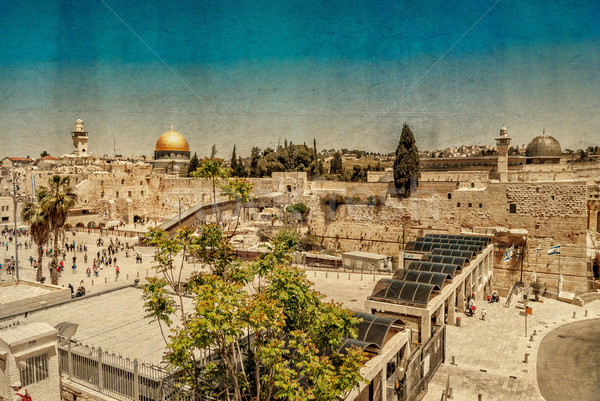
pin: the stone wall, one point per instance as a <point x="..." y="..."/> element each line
<point x="546" y="213"/>
<point x="46" y="295"/>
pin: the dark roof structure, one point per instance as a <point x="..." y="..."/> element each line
<point x="353" y="342"/>
<point x="374" y="329"/>
<point x="420" y="276"/>
<point x="403" y="292"/>
<point x="434" y="267"/>
<point x="449" y="260"/>
<point x="420" y="246"/>
<point x="468" y="255"/>
<point x="456" y="236"/>
<point x="457" y="241"/>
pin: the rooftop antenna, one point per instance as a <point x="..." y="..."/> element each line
<point x="114" y="145"/>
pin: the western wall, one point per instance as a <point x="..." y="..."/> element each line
<point x="530" y="214"/>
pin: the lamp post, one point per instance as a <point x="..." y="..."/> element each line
<point x="15" y="188"/>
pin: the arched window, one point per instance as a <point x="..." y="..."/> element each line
<point x="449" y="195"/>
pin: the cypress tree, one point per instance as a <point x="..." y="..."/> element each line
<point x="234" y="161"/>
<point x="194" y="163"/>
<point x="406" y="165"/>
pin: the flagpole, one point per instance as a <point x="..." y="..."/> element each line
<point x="522" y="257"/>
<point x="558" y="288"/>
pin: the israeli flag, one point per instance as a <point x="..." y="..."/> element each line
<point x="555" y="250"/>
<point x="509" y="254"/>
<point x="518" y="253"/>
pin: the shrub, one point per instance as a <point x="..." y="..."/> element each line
<point x="297" y="208"/>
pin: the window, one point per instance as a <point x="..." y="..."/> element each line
<point x="472" y="185"/>
<point x="458" y="204"/>
<point x="122" y="181"/>
<point x="470" y="204"/>
<point x="142" y="193"/>
<point x="34" y="369"/>
<point x="512" y="208"/>
<point x="117" y="194"/>
<point x="552" y="197"/>
<point x="4" y="218"/>
<point x="480" y="205"/>
<point x="129" y="194"/>
<point x="449" y="196"/>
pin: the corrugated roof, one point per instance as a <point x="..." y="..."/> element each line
<point x="403" y="292"/>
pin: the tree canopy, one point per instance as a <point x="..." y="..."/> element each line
<point x="55" y="201"/>
<point x="257" y="330"/>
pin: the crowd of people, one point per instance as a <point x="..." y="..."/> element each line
<point x="104" y="259"/>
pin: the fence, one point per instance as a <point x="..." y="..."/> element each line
<point x="108" y="231"/>
<point x="423" y="364"/>
<point x="117" y="376"/>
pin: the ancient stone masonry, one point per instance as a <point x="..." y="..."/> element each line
<point x="546" y="214"/>
<point x="548" y="200"/>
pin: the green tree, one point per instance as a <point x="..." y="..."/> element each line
<point x="234" y="162"/>
<point x="212" y="170"/>
<point x="194" y="163"/>
<point x="44" y="154"/>
<point x="56" y="200"/>
<point x="241" y="171"/>
<point x="337" y="166"/>
<point x="406" y="164"/>
<point x="213" y="151"/>
<point x="292" y="353"/>
<point x="255" y="157"/>
<point x="35" y="216"/>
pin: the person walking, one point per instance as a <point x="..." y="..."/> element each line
<point x="20" y="392"/>
<point x="117" y="271"/>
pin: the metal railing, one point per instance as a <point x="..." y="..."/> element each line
<point x="422" y="365"/>
<point x="118" y="376"/>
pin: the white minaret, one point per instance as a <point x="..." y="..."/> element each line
<point x="502" y="145"/>
<point x="80" y="139"/>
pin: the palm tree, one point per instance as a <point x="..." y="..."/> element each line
<point x="40" y="230"/>
<point x="55" y="201"/>
<point x="212" y="170"/>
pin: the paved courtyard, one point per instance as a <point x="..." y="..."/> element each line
<point x="490" y="354"/>
<point x="129" y="269"/>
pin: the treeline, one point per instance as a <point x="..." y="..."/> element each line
<point x="289" y="157"/>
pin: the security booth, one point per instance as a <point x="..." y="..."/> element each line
<point x="366" y="262"/>
<point x="28" y="353"/>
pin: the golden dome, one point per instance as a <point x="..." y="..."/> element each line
<point x="172" y="140"/>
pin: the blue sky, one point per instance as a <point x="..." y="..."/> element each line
<point x="252" y="73"/>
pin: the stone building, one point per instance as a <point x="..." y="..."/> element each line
<point x="541" y="201"/>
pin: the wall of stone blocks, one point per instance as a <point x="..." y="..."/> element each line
<point x="20" y="306"/>
<point x="551" y="213"/>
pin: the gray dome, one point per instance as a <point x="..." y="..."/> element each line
<point x="543" y="145"/>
